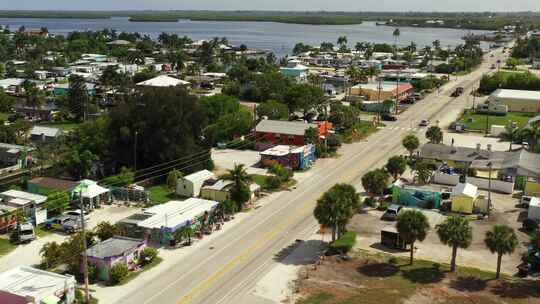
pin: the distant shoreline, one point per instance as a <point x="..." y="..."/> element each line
<point x="472" y="21"/>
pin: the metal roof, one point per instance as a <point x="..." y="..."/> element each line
<point x="199" y="176"/>
<point x="38" y="199"/>
<point x="516" y="94"/>
<point x="115" y="246"/>
<point x="284" y="127"/>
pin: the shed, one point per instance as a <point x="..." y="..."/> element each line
<point x="464" y="196"/>
<point x="390" y="238"/>
<point x="45" y="134"/>
<point x="534" y="209"/>
<point x="517" y="100"/>
<point x="190" y="186"/>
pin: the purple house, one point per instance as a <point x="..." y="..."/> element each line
<point x="118" y="249"/>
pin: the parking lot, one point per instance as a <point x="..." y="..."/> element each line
<point x="225" y="159"/>
<point x="28" y="254"/>
<point x="368" y="225"/>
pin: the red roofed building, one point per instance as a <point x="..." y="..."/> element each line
<point x="269" y="133"/>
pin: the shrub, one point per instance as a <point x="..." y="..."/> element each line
<point x="393" y="260"/>
<point x="92" y="273"/>
<point x="118" y="273"/>
<point x="530" y="225"/>
<point x="273" y="182"/>
<point x="148" y="255"/>
<point x="383" y="206"/>
<point x="370" y="202"/>
<point x="344" y="244"/>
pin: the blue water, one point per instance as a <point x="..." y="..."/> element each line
<point x="278" y="37"/>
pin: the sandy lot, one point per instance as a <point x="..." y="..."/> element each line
<point x="368" y="226"/>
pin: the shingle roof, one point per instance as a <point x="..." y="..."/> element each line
<point x="284" y="127"/>
<point x="115" y="246"/>
<point x="54" y="183"/>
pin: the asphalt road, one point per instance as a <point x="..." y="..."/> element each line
<point x="226" y="272"/>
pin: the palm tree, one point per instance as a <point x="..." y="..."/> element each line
<point x="501" y="240"/>
<point x="396" y="33"/>
<point x="342" y="41"/>
<point x="412" y="47"/>
<point x="412" y="226"/>
<point x="455" y="232"/>
<point x="434" y="134"/>
<point x="411" y="143"/>
<point x="187" y="232"/>
<point x="336" y="207"/>
<point x="238" y="175"/>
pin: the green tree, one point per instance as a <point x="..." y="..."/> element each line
<point x="501" y="240"/>
<point x="396" y="33"/>
<point x="411" y="143"/>
<point x="396" y="165"/>
<point x="336" y="207"/>
<point x="148" y="255"/>
<point x="172" y="179"/>
<point x="434" y="134"/>
<point x="78" y="98"/>
<point x="51" y="254"/>
<point x="374" y="182"/>
<point x="187" y="232"/>
<point x="105" y="230"/>
<point x="240" y="178"/>
<point x="455" y="232"/>
<point x="412" y="226"/>
<point x="57" y="202"/>
<point x="274" y="110"/>
<point x="118" y="273"/>
<point x="423" y="172"/>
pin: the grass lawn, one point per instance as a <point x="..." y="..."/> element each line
<point x="161" y="194"/>
<point x="132" y="275"/>
<point x="381" y="278"/>
<point x="359" y="132"/>
<point x="6" y="247"/>
<point x="65" y="126"/>
<point x="4" y="116"/>
<point x="478" y="121"/>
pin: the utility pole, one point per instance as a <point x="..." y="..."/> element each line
<point x="487" y="117"/>
<point x="397" y="92"/>
<point x="83" y="235"/>
<point x="490" y="165"/>
<point x="135" y="152"/>
<point x="379" y="101"/>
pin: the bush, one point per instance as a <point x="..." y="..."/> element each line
<point x="393" y="260"/>
<point x="92" y="273"/>
<point x="273" y="182"/>
<point x="344" y="244"/>
<point x="118" y="273"/>
<point x="370" y="202"/>
<point x="383" y="206"/>
<point x="148" y="255"/>
<point x="530" y="225"/>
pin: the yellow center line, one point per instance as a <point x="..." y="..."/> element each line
<point x="239" y="258"/>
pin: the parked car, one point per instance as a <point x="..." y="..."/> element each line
<point x="26" y="233"/>
<point x="72" y="226"/>
<point x="417" y="95"/>
<point x="388" y="117"/>
<point x="458" y="92"/>
<point x="424" y="123"/>
<point x="76" y="213"/>
<point x="525" y="200"/>
<point x="391" y="212"/>
<point x="57" y="221"/>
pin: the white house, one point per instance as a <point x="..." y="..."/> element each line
<point x="191" y="185"/>
<point x="163" y="81"/>
<point x="30" y="285"/>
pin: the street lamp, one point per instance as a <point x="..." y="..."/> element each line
<point x="490" y="166"/>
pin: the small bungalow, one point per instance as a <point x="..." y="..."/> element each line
<point x="117" y="249"/>
<point x="167" y="218"/>
<point x="464" y="197"/>
<point x="296" y="158"/>
<point x="220" y="190"/>
<point x="190" y="186"/>
<point x="45" y="134"/>
<point x="62" y="89"/>
<point x="28" y="285"/>
<point x="30" y="204"/>
<point x="295" y="70"/>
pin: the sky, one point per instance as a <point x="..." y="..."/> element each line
<point x="329" y="5"/>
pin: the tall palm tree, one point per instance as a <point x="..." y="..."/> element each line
<point x="396" y="33"/>
<point x="501" y="240"/>
<point x="342" y="41"/>
<point x="412" y="226"/>
<point x="455" y="232"/>
<point x="238" y="175"/>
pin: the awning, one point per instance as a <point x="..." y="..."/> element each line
<point x="52" y="299"/>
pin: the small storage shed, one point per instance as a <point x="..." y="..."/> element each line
<point x="534" y="209"/>
<point x="190" y="186"/>
<point x="464" y="196"/>
<point x="390" y="238"/>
